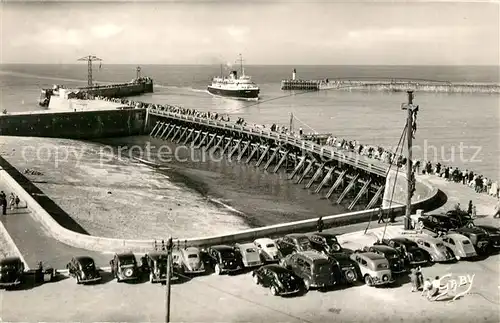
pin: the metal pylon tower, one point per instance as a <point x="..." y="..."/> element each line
<point x="89" y="60"/>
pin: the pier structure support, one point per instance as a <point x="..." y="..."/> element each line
<point x="277" y="155"/>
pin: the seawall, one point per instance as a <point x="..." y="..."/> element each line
<point x="74" y="125"/>
<point x="429" y="196"/>
<point x="121" y="90"/>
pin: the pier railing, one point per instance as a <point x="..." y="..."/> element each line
<point x="326" y="152"/>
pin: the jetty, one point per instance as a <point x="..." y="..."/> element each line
<point x="388" y="84"/>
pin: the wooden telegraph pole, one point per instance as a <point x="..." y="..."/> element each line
<point x="169" y="274"/>
<point x="412" y="109"/>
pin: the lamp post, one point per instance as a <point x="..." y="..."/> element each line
<point x="412" y="109"/>
<point x="169" y="274"/>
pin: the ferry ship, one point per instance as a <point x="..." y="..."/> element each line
<point x="235" y="87"/>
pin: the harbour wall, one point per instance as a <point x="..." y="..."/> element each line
<point x="391" y="86"/>
<point x="121" y="90"/>
<point x="74" y="125"/>
<point x="62" y="231"/>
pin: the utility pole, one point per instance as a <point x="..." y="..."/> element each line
<point x="89" y="59"/>
<point x="169" y="274"/>
<point x="412" y="109"/>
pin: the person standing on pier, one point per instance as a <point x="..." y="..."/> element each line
<point x="320" y="225"/>
<point x="3" y="202"/>
<point x="469" y="208"/>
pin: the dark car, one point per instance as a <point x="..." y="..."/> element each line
<point x="278" y="279"/>
<point x="313" y="267"/>
<point x="156" y="264"/>
<point x="293" y="242"/>
<point x="437" y="223"/>
<point x="461" y="217"/>
<point x="124" y="267"/>
<point x="83" y="269"/>
<point x="493" y="234"/>
<point x="325" y="242"/>
<point x="477" y="236"/>
<point x="396" y="261"/>
<point x="11" y="271"/>
<point x="224" y="259"/>
<point x="348" y="267"/>
<point x="413" y="255"/>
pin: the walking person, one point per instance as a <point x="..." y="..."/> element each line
<point x="320" y="225"/>
<point x="380" y="216"/>
<point x="414" y="280"/>
<point x="12" y="201"/>
<point x="3" y="202"/>
<point x="17" y="201"/>
<point x="469" y="208"/>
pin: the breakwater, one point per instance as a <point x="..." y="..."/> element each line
<point x="390" y="85"/>
<point x="74" y="125"/>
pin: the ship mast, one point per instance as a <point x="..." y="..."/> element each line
<point x="240" y="60"/>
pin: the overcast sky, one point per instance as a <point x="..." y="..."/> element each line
<point x="274" y="32"/>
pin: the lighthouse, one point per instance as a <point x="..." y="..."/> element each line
<point x="294" y="73"/>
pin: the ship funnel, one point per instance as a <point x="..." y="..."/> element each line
<point x="234" y="74"/>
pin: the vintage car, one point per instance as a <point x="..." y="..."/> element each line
<point x="460" y="245"/>
<point x="413" y="255"/>
<point x="156" y="264"/>
<point x="347" y="266"/>
<point x="437" y="223"/>
<point x="224" y="259"/>
<point x="124" y="267"/>
<point x="477" y="236"/>
<point x="326" y="243"/>
<point x="189" y="260"/>
<point x="434" y="247"/>
<point x="278" y="279"/>
<point x="493" y="234"/>
<point x="374" y="268"/>
<point x="396" y="261"/>
<point x="293" y="242"/>
<point x="313" y="267"/>
<point x="249" y="254"/>
<point x="83" y="269"/>
<point x="461" y="217"/>
<point x="268" y="250"/>
<point x="11" y="271"/>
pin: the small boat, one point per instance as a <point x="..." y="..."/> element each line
<point x="233" y="86"/>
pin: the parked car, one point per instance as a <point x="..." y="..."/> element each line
<point x="313" y="267"/>
<point x="374" y="268"/>
<point x="348" y="268"/>
<point x="325" y="242"/>
<point x="11" y="271"/>
<point x="493" y="235"/>
<point x="460" y="245"/>
<point x="413" y="255"/>
<point x="83" y="269"/>
<point x="156" y="265"/>
<point x="396" y="261"/>
<point x="224" y="259"/>
<point x="437" y="223"/>
<point x="461" y="217"/>
<point x="434" y="247"/>
<point x="249" y="254"/>
<point x="124" y="267"/>
<point x="278" y="279"/>
<point x="295" y="241"/>
<point x="268" y="250"/>
<point x="477" y="236"/>
<point x="189" y="260"/>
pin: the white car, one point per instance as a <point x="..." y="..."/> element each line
<point x="267" y="249"/>
<point x="460" y="245"/>
<point x="249" y="254"/>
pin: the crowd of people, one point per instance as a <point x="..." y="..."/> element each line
<point x="12" y="202"/>
<point x="480" y="183"/>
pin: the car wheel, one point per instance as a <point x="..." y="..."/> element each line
<point x="256" y="280"/>
<point x="274" y="291"/>
<point x="368" y="280"/>
<point x="217" y="269"/>
<point x="350" y="276"/>
<point x="307" y="285"/>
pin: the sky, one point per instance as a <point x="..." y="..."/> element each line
<point x="266" y="32"/>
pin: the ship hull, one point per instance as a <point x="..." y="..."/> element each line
<point x="239" y="94"/>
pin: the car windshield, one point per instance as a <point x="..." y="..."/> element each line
<point x="285" y="276"/>
<point x="127" y="261"/>
<point x="227" y="254"/>
<point x="465" y="242"/>
<point x="8" y="267"/>
<point x="250" y="250"/>
<point x="304" y="243"/>
<point x="270" y="245"/>
<point x="439" y="245"/>
<point x="192" y="255"/>
<point x="382" y="265"/>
